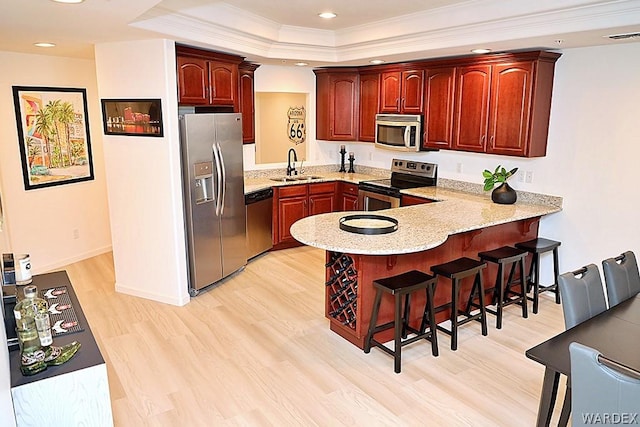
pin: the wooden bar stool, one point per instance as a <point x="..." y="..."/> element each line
<point x="457" y="270"/>
<point x="536" y="247"/>
<point x="502" y="293"/>
<point x="403" y="285"/>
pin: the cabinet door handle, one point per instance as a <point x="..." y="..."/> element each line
<point x="482" y="138"/>
<point x="491" y="140"/>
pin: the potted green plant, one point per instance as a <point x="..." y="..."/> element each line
<point x="503" y="194"/>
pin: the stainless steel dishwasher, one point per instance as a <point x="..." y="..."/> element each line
<point x="259" y="216"/>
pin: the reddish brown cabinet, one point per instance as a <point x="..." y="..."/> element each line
<point x="247" y="101"/>
<point x="193" y="81"/>
<point x="207" y="78"/>
<point x="348" y="196"/>
<point x="337" y="105"/>
<point x="294" y="202"/>
<point x="407" y="200"/>
<point x="401" y="91"/>
<point x="438" y="108"/>
<point x="322" y="198"/>
<point x="290" y="204"/>
<point x="520" y="107"/>
<point x="497" y="104"/>
<point x="369" y="102"/>
<point x="471" y="111"/>
<point x="504" y="107"/>
<point x="223" y="81"/>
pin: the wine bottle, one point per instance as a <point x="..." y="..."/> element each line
<point x="32" y="353"/>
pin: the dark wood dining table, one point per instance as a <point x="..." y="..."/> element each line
<point x="615" y="333"/>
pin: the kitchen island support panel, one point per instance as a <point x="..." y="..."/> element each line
<point x="372" y="267"/>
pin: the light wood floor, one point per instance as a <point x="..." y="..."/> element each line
<point x="257" y="351"/>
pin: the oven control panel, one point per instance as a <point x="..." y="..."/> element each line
<point x="412" y="167"/>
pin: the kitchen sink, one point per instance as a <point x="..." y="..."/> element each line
<point x="284" y="179"/>
<point x="308" y="177"/>
<point x="295" y="178"/>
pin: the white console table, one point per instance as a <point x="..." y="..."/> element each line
<point x="74" y="393"/>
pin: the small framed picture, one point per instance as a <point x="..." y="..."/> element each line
<point x="132" y="117"/>
<point x="53" y="132"/>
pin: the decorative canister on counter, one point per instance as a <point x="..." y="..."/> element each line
<point x="23" y="269"/>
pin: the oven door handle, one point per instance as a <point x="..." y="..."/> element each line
<point x="364" y="196"/>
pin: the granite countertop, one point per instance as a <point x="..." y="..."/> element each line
<point x="420" y="227"/>
<point x="255" y="181"/>
<point x="459" y="207"/>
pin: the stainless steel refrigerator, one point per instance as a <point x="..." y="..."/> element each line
<point x="213" y="183"/>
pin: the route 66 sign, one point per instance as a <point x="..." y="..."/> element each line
<point x="296" y="127"/>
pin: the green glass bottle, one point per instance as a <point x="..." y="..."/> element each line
<point x="32" y="352"/>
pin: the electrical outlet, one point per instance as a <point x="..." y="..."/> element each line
<point x="76" y="234"/>
<point x="528" y="177"/>
<point x="459" y="168"/>
<point x="370" y="155"/>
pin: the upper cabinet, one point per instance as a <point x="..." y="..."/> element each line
<point x="520" y="107"/>
<point x="401" y="91"/>
<point x="439" y="88"/>
<point x="247" y="101"/>
<point x="504" y="107"/>
<point x="497" y="104"/>
<point x="471" y="111"/>
<point x="369" y="104"/>
<point x="207" y="78"/>
<point x="193" y="81"/>
<point x="219" y="81"/>
<point x="337" y="104"/>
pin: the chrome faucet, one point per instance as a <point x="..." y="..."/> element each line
<point x="291" y="170"/>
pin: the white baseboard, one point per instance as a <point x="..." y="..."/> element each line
<point x="64" y="262"/>
<point x="128" y="290"/>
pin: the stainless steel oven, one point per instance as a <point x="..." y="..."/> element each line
<point x="381" y="194"/>
<point x="375" y="200"/>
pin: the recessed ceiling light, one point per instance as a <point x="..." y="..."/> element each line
<point x="68" y="1"/>
<point x="44" y="44"/>
<point x="301" y="64"/>
<point x="376" y="61"/>
<point x="481" y="50"/>
<point x="327" y="15"/>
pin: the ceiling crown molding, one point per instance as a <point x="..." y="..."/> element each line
<point x="225" y="27"/>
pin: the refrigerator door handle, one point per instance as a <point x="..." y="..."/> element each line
<point x="224" y="179"/>
<point x="216" y="157"/>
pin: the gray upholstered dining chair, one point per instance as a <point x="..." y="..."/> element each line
<point x="582" y="295"/>
<point x="622" y="277"/>
<point x="601" y="387"/>
<point x="582" y="298"/>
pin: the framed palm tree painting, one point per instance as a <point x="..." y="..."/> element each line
<point x="53" y="132"/>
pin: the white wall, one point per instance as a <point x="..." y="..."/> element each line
<point x="143" y="175"/>
<point x="41" y="221"/>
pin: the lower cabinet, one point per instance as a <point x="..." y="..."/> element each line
<point x="322" y="198"/>
<point x="413" y="200"/>
<point x="294" y="202"/>
<point x="347" y="196"/>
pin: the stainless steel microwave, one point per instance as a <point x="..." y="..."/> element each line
<point x="399" y="132"/>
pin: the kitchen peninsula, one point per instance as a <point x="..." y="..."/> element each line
<point x="458" y="224"/>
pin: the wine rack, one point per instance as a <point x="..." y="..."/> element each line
<point x="342" y="288"/>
